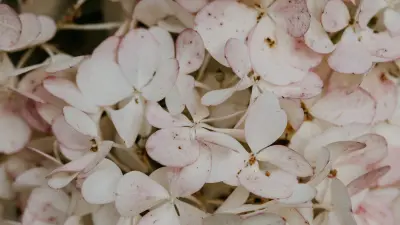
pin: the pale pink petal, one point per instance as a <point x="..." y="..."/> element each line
<point x="348" y="49"/>
<point x="237" y="56"/>
<point x="107" y="49"/>
<point x="368" y="9"/>
<point x="236" y="199"/>
<point x="221" y="20"/>
<point x="68" y="91"/>
<point x="378" y="212"/>
<point x="14" y="133"/>
<point x="181" y="179"/>
<point x="336" y="16"/>
<point x="191" y="98"/>
<point x="341" y="148"/>
<point x="46" y="206"/>
<point x="341" y="202"/>
<point x="317" y="39"/>
<point x="269" y="56"/>
<point x="331" y="135"/>
<point x="128" y="119"/>
<point x="381" y="46"/>
<point x="262" y="131"/>
<point x="10" y="27"/>
<point x="100" y="186"/>
<point x="391" y="19"/>
<point x="73" y="220"/>
<point x="47" y="31"/>
<point x="164" y="214"/>
<point x="300" y="139"/>
<point x="99" y="158"/>
<point x="340" y="107"/>
<point x="228" y="157"/>
<point x="173" y="147"/>
<point x="295" y="14"/>
<point x="376" y="149"/>
<point x="48" y="112"/>
<point x="217" y="97"/>
<point x="61" y="62"/>
<point x="32" y="178"/>
<point x="30" y="30"/>
<point x="275" y="184"/>
<point x="68" y="136"/>
<point x="302" y="193"/>
<point x="80" y="121"/>
<point x="188" y="214"/>
<point x="286" y="159"/>
<point x="367" y="180"/>
<point x="166" y="43"/>
<point x="136" y="187"/>
<point x="294" y="112"/>
<point x="107" y="214"/>
<point x="310" y="86"/>
<point x="174" y="101"/>
<point x="162" y="82"/>
<point x="138" y="57"/>
<point x="32" y="117"/>
<point x="72" y="154"/>
<point x="225" y="164"/>
<point x="101" y="82"/>
<point x="189" y="51"/>
<point x="323" y="166"/>
<point x="160" y="118"/>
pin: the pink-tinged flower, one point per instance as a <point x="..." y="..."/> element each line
<point x="24" y="30"/>
<point x="182" y="143"/>
<point x="237" y="55"/>
<point x="376" y="207"/>
<point x="373" y="96"/>
<point x="46" y="205"/>
<point x="274" y="54"/>
<point x="158" y="193"/>
<point x="272" y="172"/>
<point x="79" y="168"/>
<point x="389" y="8"/>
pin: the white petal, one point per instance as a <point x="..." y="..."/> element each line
<point x="261" y="130"/>
<point x="80" y="121"/>
<point x="101" y="82"/>
<point x="286" y="159"/>
<point x="162" y="215"/>
<point x="128" y="120"/>
<point x="138" y="57"/>
<point x="162" y="82"/>
<point x="221" y="20"/>
<point x="189" y="51"/>
<point x="69" y="92"/>
<point x="173" y="147"/>
<point x="14" y="133"/>
<point x="136" y="187"/>
<point x="182" y="182"/>
<point x="100" y="186"/>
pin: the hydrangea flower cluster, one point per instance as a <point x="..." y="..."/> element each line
<point x="205" y="112"/>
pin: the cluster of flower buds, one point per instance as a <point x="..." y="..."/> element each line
<point x="209" y="112"/>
